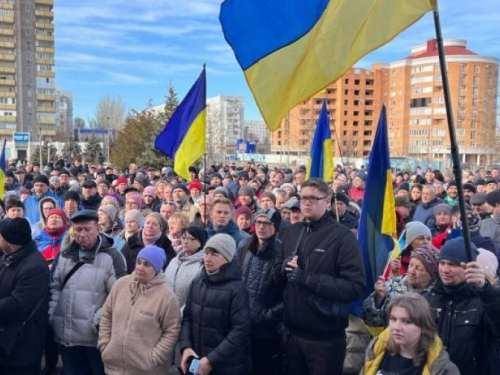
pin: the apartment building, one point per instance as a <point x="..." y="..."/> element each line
<point x="412" y="90"/>
<point x="27" y="68"/>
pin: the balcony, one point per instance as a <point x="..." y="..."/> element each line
<point x="6" y="32"/>
<point x="7" y="94"/>
<point x="45" y="2"/>
<point x="8" y="118"/>
<point x="8" y="69"/>
<point x="45" y="74"/>
<point x="8" y="107"/>
<point x="7" y="45"/>
<point x="7" y="19"/>
<point x="45" y="121"/>
<point x="46" y="61"/>
<point x="46" y="38"/>
<point x="7" y="57"/>
<point x="8" y="6"/>
<point x="45" y="49"/>
<point x="44" y="13"/>
<point x="46" y="98"/>
<point x="44" y="26"/>
<point x="46" y="109"/>
<point x="7" y="82"/>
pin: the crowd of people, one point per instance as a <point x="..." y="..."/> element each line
<point x="243" y="270"/>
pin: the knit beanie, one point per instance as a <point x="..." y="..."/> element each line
<point x="222" y="243"/>
<point x="121" y="180"/>
<point x="454" y="251"/>
<point x="41" y="178"/>
<point x="182" y="187"/>
<point x="154" y="255"/>
<point x="269" y="195"/>
<point x="340" y="197"/>
<point x="161" y="221"/>
<point x="149" y="190"/>
<point x="59" y="212"/>
<point x="142" y="180"/>
<point x="136" y="197"/>
<point x="135" y="215"/>
<point x="247" y="190"/>
<point x="271" y="214"/>
<point x="109" y="210"/>
<point x="427" y="254"/>
<point x="442" y="208"/>
<point x="195" y="185"/>
<point x="415" y="229"/>
<point x="469" y="186"/>
<point x="222" y="190"/>
<point x="489" y="262"/>
<point x="54" y="179"/>
<point x="404" y="186"/>
<point x="16" y="231"/>
<point x="199" y="234"/>
<point x="288" y="185"/>
<point x="243" y="210"/>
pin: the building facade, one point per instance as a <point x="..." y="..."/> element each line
<point x="412" y="90"/>
<point x="64" y="111"/>
<point x="225" y="124"/>
<point x="258" y="133"/>
<point x="27" y="68"/>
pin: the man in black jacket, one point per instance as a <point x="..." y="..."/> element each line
<point x="24" y="290"/>
<point x="340" y="211"/>
<point x="466" y="309"/>
<point x="324" y="272"/>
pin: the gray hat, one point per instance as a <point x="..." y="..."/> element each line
<point x="109" y="210"/>
<point x="493" y="198"/>
<point x="442" y="208"/>
<point x="478" y="198"/>
<point x="292" y="204"/>
<point x="273" y="215"/>
<point x="222" y="190"/>
<point x="415" y="229"/>
<point x="247" y="190"/>
<point x="224" y="244"/>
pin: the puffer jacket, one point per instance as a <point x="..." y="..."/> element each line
<point x="468" y="322"/>
<point x="75" y="310"/>
<point x="135" y="244"/>
<point x="260" y="269"/>
<point x="357" y="338"/>
<point x="181" y="272"/>
<point x="138" y="332"/>
<point x="49" y="243"/>
<point x="437" y="363"/>
<point x="216" y="321"/>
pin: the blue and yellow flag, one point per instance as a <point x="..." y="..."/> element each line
<point x="291" y="49"/>
<point x="321" y="159"/>
<point x="3" y="170"/>
<point x="377" y="226"/>
<point x="183" y="138"/>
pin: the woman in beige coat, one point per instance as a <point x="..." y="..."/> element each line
<point x="140" y="321"/>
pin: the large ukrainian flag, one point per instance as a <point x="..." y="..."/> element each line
<point x="183" y="138"/>
<point x="377" y="226"/>
<point x="3" y="169"/>
<point x="321" y="159"/>
<point x="291" y="49"/>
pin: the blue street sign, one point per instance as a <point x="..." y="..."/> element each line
<point x="21" y="137"/>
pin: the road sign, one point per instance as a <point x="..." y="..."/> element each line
<point x="21" y="140"/>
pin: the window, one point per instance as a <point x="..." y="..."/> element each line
<point x="475" y="80"/>
<point x="475" y="91"/>
<point x="477" y="69"/>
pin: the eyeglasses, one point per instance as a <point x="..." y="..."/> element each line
<point x="187" y="238"/>
<point x="312" y="199"/>
<point x="265" y="224"/>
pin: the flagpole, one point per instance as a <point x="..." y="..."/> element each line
<point x="455" y="155"/>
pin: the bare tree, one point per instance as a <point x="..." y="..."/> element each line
<point x="110" y="113"/>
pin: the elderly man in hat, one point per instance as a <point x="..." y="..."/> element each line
<point x="340" y="211"/>
<point x="465" y="307"/>
<point x="24" y="288"/>
<point x="86" y="271"/>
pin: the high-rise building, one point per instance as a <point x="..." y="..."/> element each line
<point x="27" y="68"/>
<point x="258" y="133"/>
<point x="64" y="111"/>
<point x="412" y="90"/>
<point x="225" y="124"/>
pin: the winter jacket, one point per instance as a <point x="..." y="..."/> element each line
<point x="468" y="322"/>
<point x="32" y="206"/>
<point x="190" y="210"/>
<point x="425" y="211"/>
<point x="37" y="228"/>
<point x="437" y="362"/>
<point x="181" y="272"/>
<point x="232" y="229"/>
<point x="358" y="338"/>
<point x="75" y="310"/>
<point x="491" y="228"/>
<point x="349" y="220"/>
<point x="92" y="203"/>
<point x="135" y="244"/>
<point x="356" y="194"/>
<point x="216" y="321"/>
<point x="260" y="269"/>
<point x="375" y="316"/>
<point x="49" y="243"/>
<point x="330" y="258"/>
<point x="137" y="334"/>
<point x="24" y="282"/>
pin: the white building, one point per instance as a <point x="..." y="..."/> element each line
<point x="225" y="124"/>
<point x="257" y="131"/>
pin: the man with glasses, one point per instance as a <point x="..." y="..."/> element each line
<point x="260" y="259"/>
<point x="323" y="272"/>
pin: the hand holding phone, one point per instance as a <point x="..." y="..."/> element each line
<point x="194" y="366"/>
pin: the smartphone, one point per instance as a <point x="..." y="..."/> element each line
<point x="194" y="366"/>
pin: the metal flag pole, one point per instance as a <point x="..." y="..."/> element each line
<point x="455" y="155"/>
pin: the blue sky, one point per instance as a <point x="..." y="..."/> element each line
<point x="135" y="49"/>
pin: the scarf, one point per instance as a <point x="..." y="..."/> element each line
<point x="150" y="240"/>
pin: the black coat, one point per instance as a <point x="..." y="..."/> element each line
<point x="260" y="268"/>
<point x="216" y="321"/>
<point x="135" y="244"/>
<point x="92" y="203"/>
<point x="330" y="258"/>
<point x="24" y="281"/>
<point x="468" y="322"/>
<point x="349" y="220"/>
